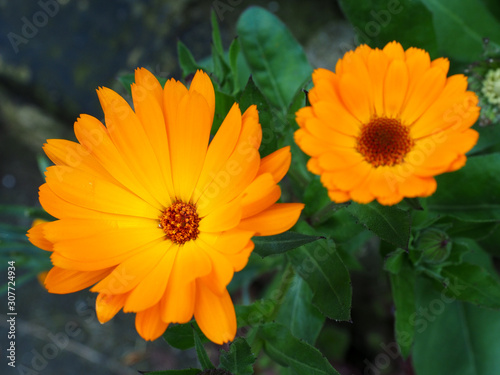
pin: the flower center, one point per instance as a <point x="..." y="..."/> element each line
<point x="384" y="142"/>
<point x="180" y="222"/>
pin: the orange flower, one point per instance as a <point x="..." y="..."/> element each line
<point x="155" y="214"/>
<point x="385" y="123"/>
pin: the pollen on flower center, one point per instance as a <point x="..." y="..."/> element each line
<point x="384" y="142"/>
<point x="180" y="222"/>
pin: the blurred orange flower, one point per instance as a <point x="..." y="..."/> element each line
<point x="385" y="123"/>
<point x="155" y="214"/>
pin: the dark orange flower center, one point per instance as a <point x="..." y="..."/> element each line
<point x="180" y="222"/>
<point x="384" y="142"/>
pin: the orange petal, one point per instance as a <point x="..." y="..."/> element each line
<point x="95" y="138"/>
<point x="130" y="138"/>
<point x="259" y="195"/>
<point x="150" y="114"/>
<point x="202" y="84"/>
<point x="425" y="93"/>
<point x="240" y="259"/>
<point x="147" y="81"/>
<point x="131" y="271"/>
<point x="151" y="288"/>
<point x="215" y="314"/>
<point x="91" y="192"/>
<point x="394" y="50"/>
<point x="177" y="305"/>
<point x="276" y="219"/>
<point x="222" y="269"/>
<point x="149" y="324"/>
<point x="188" y="139"/>
<point x="276" y="163"/>
<point x="62" y="281"/>
<point x="108" y="305"/>
<point x="395" y="87"/>
<point x="378" y="62"/>
<point x="222" y="218"/>
<point x="231" y="241"/>
<point x="220" y="149"/>
<point x="37" y="237"/>
<point x="337" y="117"/>
<point x="355" y="97"/>
<point x="104" y="249"/>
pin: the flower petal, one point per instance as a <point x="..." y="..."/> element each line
<point x="215" y="314"/>
<point x="108" y="305"/>
<point x="276" y="219"/>
<point x="62" y="281"/>
<point x="149" y="324"/>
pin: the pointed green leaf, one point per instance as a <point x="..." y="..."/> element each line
<point x="390" y="223"/>
<point x="298" y="314"/>
<point x="201" y="352"/>
<point x="478" y="199"/>
<point x="234" y="51"/>
<point x="126" y="80"/>
<point x="180" y="336"/>
<point x="376" y="22"/>
<point x="461" y="26"/>
<point x="394" y="261"/>
<point x="216" y="39"/>
<point x="453" y="337"/>
<point x="474" y="285"/>
<point x="186" y="60"/>
<point x="277" y="61"/>
<point x="240" y="359"/>
<point x="288" y="350"/>
<point x="320" y="265"/>
<point x="281" y="243"/>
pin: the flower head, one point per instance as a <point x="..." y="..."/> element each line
<point x="155" y="214"/>
<point x="385" y="123"/>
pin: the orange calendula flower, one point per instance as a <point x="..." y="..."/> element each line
<point x="155" y="214"/>
<point x="385" y="123"/>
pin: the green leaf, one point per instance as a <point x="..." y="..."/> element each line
<point x="180" y="336"/>
<point x="472" y="284"/>
<point x="281" y="243"/>
<point x="298" y="314"/>
<point x="186" y="60"/>
<point x="377" y="22"/>
<point x="277" y="61"/>
<point x="216" y="39"/>
<point x="255" y="313"/>
<point x="201" y="352"/>
<point x="390" y="223"/>
<point x="394" y="261"/>
<point x="320" y="265"/>
<point x="188" y="371"/>
<point x="239" y="360"/>
<point x="403" y="292"/>
<point x="471" y="193"/>
<point x="289" y="351"/>
<point x="126" y="80"/>
<point x="223" y="103"/>
<point x="234" y="52"/>
<point x="461" y="26"/>
<point x="453" y="337"/>
<point x="251" y="95"/>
